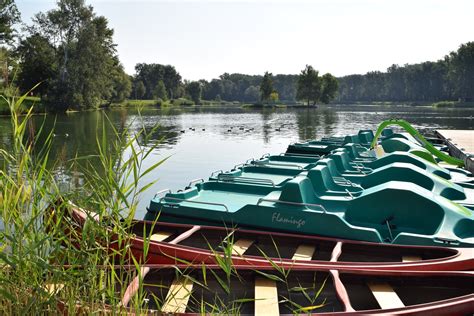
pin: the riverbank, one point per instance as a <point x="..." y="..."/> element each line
<point x="172" y="103"/>
<point x="40" y="108"/>
<point x="436" y="104"/>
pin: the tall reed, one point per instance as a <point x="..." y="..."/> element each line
<point x="43" y="266"/>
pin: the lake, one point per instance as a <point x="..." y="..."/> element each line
<point x="198" y="141"/>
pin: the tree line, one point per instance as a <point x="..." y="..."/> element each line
<point x="70" y="51"/>
<point x="451" y="78"/>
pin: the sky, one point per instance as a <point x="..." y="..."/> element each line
<point x="204" y="39"/>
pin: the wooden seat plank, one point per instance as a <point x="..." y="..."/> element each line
<point x="241" y="246"/>
<point x="53" y="288"/>
<point x="411" y="258"/>
<point x="178" y="296"/>
<point x="304" y="252"/>
<point x="160" y="236"/>
<point x="266" y="297"/>
<point x="385" y="295"/>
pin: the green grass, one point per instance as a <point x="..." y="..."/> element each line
<point x="136" y="103"/>
<point x="153" y="103"/>
<point x="34" y="248"/>
<point x="442" y="104"/>
<point x="28" y="102"/>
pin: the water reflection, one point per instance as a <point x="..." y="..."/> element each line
<point x="198" y="141"/>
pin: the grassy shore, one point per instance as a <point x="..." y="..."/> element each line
<point x="437" y="104"/>
<point x="171" y="103"/>
<point x="42" y="265"/>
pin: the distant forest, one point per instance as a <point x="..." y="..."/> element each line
<point x="451" y="78"/>
<point x="70" y="51"/>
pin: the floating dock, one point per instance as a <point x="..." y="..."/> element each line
<point x="461" y="145"/>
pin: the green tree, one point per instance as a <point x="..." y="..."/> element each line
<point x="151" y="74"/>
<point x="252" y="94"/>
<point x="461" y="71"/>
<point x="160" y="91"/>
<point x="139" y="89"/>
<point x="122" y="85"/>
<point x="38" y="64"/>
<point x="9" y="16"/>
<point x="194" y="91"/>
<point x="266" y="86"/>
<point x="85" y="56"/>
<point x="309" y="85"/>
<point x="330" y="86"/>
<point x="274" y="96"/>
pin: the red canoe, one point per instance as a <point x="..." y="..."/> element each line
<point x="195" y="244"/>
<point x="207" y="289"/>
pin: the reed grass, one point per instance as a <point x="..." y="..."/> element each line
<point x="47" y="267"/>
<point x="44" y="266"/>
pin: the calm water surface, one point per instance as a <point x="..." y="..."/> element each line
<point x="222" y="137"/>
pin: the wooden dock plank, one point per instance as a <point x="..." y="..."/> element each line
<point x="266" y="297"/>
<point x="462" y="138"/>
<point x="178" y="296"/>
<point x="241" y="246"/>
<point x="304" y="252"/>
<point x="411" y="258"/>
<point x="385" y="295"/>
<point x="160" y="236"/>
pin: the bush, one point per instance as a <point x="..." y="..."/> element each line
<point x="182" y="102"/>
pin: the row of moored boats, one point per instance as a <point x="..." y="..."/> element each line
<point x="351" y="225"/>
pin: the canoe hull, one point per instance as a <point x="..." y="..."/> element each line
<point x="181" y="247"/>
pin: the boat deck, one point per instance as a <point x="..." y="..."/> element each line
<point x="285" y="164"/>
<point x="233" y="201"/>
<point x="461" y="145"/>
<point x="274" y="179"/>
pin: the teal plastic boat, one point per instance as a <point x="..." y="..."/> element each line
<point x="327" y="145"/>
<point x="393" y="212"/>
<point x="401" y="197"/>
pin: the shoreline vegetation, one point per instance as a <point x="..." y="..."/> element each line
<point x="39" y="108"/>
<point x="52" y="52"/>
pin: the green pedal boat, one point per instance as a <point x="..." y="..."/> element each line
<point x="339" y="187"/>
<point x="393" y="212"/>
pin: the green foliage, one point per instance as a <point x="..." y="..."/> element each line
<point x="8" y="66"/>
<point x="309" y="85"/>
<point x="151" y="74"/>
<point x="182" y="102"/>
<point x="449" y="79"/>
<point x="33" y="103"/>
<point x="444" y="104"/>
<point x="136" y="103"/>
<point x="194" y="91"/>
<point x="274" y="96"/>
<point x="9" y="16"/>
<point x="266" y="86"/>
<point x="329" y="88"/>
<point x="39" y="63"/>
<point x="139" y="90"/>
<point x="160" y="91"/>
<point x="461" y="71"/>
<point x="122" y="85"/>
<point x="71" y="50"/>
<point x="252" y="94"/>
<point x="36" y="244"/>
